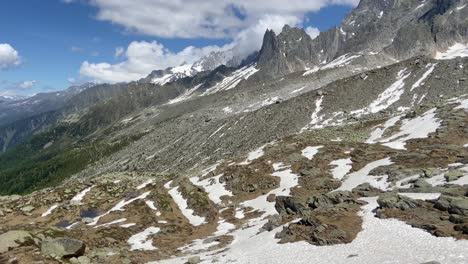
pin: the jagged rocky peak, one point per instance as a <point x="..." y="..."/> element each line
<point x="396" y="29"/>
<point x="287" y="52"/>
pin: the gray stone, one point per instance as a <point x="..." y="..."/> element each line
<point x="27" y="209"/>
<point x="14" y="239"/>
<point x="87" y="220"/>
<point x="194" y="260"/>
<point x="457" y="219"/>
<point x="63" y="247"/>
<point x="393" y="200"/>
<point x="454" y="205"/>
<point x="453" y="175"/>
<point x="330" y="199"/>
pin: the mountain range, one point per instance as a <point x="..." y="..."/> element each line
<point x="350" y="147"/>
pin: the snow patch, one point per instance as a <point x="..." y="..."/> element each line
<point x="233" y="80"/>
<point x="424" y="76"/>
<point x="143" y="185"/>
<point x="79" y="197"/>
<point x="419" y="127"/>
<point x="310" y="152"/>
<point x="194" y="220"/>
<point x="362" y="176"/>
<point x="141" y="241"/>
<point x="341" y="168"/>
<point x="213" y="187"/>
<point x="457" y="50"/>
<point x="421" y="196"/>
<point x="50" y="210"/>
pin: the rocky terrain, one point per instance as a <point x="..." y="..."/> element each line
<point x="348" y="148"/>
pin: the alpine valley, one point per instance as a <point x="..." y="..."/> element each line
<point x="351" y="147"/>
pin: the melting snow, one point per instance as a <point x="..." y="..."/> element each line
<point x="310" y="152"/>
<point x="362" y="176"/>
<point x="151" y="205"/>
<point x="119" y="207"/>
<point x="118" y="221"/>
<point x="194" y="220"/>
<point x="143" y="185"/>
<point x="232" y="81"/>
<point x="227" y="110"/>
<point x="213" y="187"/>
<point x="255" y="154"/>
<point x="457" y="50"/>
<point x="341" y="168"/>
<point x="341" y="61"/>
<point x="419" y="127"/>
<point x="378" y="132"/>
<point x="185" y="96"/>
<point x="298" y="90"/>
<point x="141" y="241"/>
<point x="380" y="241"/>
<point x="404" y="183"/>
<point x="79" y="197"/>
<point x="310" y="71"/>
<point x="128" y="225"/>
<point x="424" y="77"/>
<point x="49" y="211"/>
<point x="390" y="96"/>
<point x="421" y="196"/>
<point x="288" y="180"/>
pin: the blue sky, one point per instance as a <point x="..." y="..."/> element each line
<point x="53" y="38"/>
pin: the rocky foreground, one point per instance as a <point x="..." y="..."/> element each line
<point x="363" y="192"/>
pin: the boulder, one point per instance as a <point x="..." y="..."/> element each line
<point x="274" y="221"/>
<point x="453" y="175"/>
<point x="194" y="260"/>
<point x="366" y="190"/>
<point x="14" y="239"/>
<point x="288" y="205"/>
<point x="395" y="201"/>
<point x="63" y="247"/>
<point x="27" y="209"/>
<point x="331" y="199"/>
<point x="454" y="205"/>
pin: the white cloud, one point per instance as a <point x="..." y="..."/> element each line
<point x="201" y="18"/>
<point x="119" y="51"/>
<point x="142" y="57"/>
<point x="9" y="57"/>
<point x="18" y="88"/>
<point x="26" y="84"/>
<point x="243" y="21"/>
<point x="313" y="32"/>
<point x="76" y="49"/>
<point x="71" y="80"/>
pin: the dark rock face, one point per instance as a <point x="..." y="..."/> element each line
<point x="398" y="28"/>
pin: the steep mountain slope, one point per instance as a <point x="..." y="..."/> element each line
<point x="22" y="108"/>
<point x="267" y="192"/>
<point x="388" y="30"/>
<point x="343" y="156"/>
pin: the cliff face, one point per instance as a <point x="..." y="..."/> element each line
<point x="400" y="28"/>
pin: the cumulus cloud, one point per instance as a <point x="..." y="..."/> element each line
<point x="17" y="88"/>
<point x="26" y="84"/>
<point x="200" y="18"/>
<point x="313" y="32"/>
<point x="142" y="57"/>
<point x="242" y="21"/>
<point x="9" y="57"/>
